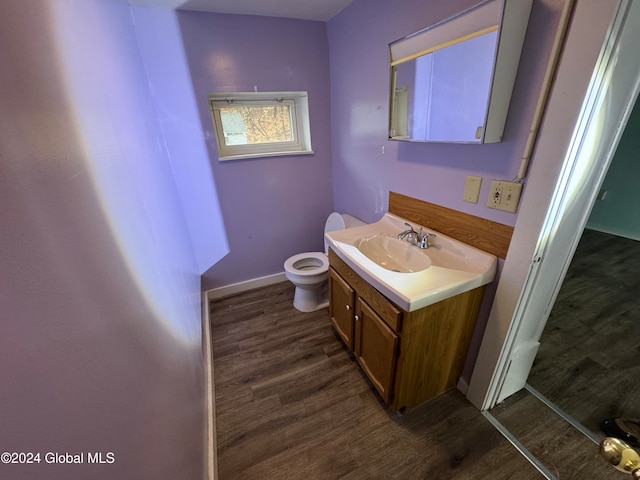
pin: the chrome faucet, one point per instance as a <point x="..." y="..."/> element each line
<point x="411" y="232"/>
<point x="416" y="238"/>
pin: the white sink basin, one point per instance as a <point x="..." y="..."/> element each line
<point x="393" y="254"/>
<point x="409" y="276"/>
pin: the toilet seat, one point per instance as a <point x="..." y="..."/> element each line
<point x="309" y="271"/>
<point x="307" y="264"/>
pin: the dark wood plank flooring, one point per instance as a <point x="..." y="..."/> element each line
<point x="562" y="449"/>
<point x="589" y="359"/>
<point x="292" y="404"/>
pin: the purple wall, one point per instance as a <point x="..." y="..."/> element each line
<point x="100" y="331"/>
<point x="366" y="165"/>
<point x="272" y="207"/>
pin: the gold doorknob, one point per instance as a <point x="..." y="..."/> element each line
<point x="621" y="456"/>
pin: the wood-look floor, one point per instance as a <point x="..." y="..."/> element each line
<point x="292" y="404"/>
<point x="563" y="450"/>
<point x="589" y="359"/>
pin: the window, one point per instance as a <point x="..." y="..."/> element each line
<point x="260" y="124"/>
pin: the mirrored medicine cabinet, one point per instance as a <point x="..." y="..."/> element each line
<point x="452" y="82"/>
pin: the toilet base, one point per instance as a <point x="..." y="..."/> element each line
<point x="311" y="299"/>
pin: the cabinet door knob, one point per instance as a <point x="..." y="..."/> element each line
<point x="357" y="318"/>
<point x="348" y="307"/>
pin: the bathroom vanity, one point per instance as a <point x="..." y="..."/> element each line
<point x="407" y="313"/>
<point x="409" y="357"/>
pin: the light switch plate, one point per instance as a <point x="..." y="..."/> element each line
<point x="472" y="189"/>
<point x="504" y="195"/>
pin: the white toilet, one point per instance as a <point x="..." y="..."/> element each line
<point x="309" y="271"/>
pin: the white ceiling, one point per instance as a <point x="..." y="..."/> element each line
<point x="305" y="9"/>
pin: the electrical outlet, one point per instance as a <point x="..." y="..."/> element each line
<point x="472" y="189"/>
<point x="504" y="195"/>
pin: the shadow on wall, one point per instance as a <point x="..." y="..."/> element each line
<point x="143" y="190"/>
<point x="100" y="344"/>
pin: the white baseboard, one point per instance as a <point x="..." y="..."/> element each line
<point x="463" y="386"/>
<point x="234" y="288"/>
<point x="211" y="442"/>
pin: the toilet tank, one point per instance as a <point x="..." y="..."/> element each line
<point x="339" y="221"/>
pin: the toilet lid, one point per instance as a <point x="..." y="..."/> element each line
<point x="334" y="222"/>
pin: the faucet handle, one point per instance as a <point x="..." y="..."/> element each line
<point x="424" y="239"/>
<point x="408" y="233"/>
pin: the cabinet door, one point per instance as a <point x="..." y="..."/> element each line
<point x="376" y="347"/>
<point x="341" y="307"/>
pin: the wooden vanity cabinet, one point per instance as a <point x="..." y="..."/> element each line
<point x="409" y="357"/>
<point x="341" y="308"/>
<point x="376" y="349"/>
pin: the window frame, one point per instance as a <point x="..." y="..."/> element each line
<point x="299" y="109"/>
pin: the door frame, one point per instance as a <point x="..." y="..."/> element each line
<point x="595" y="88"/>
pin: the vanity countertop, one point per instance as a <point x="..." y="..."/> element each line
<point x="452" y="267"/>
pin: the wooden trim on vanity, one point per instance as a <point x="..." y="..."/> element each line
<point x="492" y="237"/>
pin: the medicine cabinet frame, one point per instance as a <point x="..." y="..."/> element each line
<point x="509" y="20"/>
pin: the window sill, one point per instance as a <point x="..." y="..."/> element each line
<point x="262" y="155"/>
